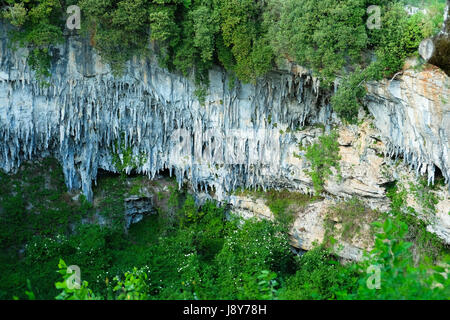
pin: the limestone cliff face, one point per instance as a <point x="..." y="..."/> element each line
<point x="251" y="131"/>
<point x="84" y="111"/>
<point x="412" y="113"/>
<point x="364" y="172"/>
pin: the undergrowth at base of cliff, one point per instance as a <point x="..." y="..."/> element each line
<point x="183" y="251"/>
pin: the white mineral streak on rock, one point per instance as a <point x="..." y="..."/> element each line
<point x="85" y="110"/>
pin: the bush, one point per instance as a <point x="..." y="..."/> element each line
<point x="206" y="257"/>
<point x="255" y="246"/>
<point x="323" y="155"/>
<point x="322" y="35"/>
<point x="399" y="279"/>
<point x="319" y="276"/>
<point x="348" y="98"/>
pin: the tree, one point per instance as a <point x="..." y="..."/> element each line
<point x="322" y="35"/>
<point x="40" y="27"/>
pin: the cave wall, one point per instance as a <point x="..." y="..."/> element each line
<point x="85" y="112"/>
<point x="248" y="130"/>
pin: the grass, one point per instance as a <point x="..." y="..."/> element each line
<point x="352" y="216"/>
<point x="323" y="155"/>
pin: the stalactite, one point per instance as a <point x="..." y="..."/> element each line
<point x="78" y="120"/>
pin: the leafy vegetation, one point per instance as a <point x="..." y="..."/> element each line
<point x="323" y="155"/>
<point x="424" y="194"/>
<point x="191" y="252"/>
<point x="351" y="216"/>
<point x="40" y="27"/>
<point x="399" y="278"/>
<point x="319" y="277"/>
<point x="331" y="38"/>
<point x="123" y="158"/>
<point x="424" y="243"/>
<point x="321" y="35"/>
<point x="190" y="36"/>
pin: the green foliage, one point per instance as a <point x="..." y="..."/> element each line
<point x="323" y="155"/>
<point x="189" y="210"/>
<point x="424" y="244"/>
<point x="254" y="246"/>
<point x="352" y="215"/>
<point x="245" y="34"/>
<point x="13" y="215"/>
<point x="134" y="286"/>
<point x="174" y="198"/>
<point x="319" y="276"/>
<point x="123" y="157"/>
<point x="82" y="293"/>
<point x="425" y="195"/>
<point x="398" y="197"/>
<point x="398" y="39"/>
<point x="201" y="254"/>
<point x="322" y="35"/>
<point x="399" y="278"/>
<point x="187" y="36"/>
<point x="40" y="26"/>
<point x="267" y="284"/>
<point x="117" y="29"/>
<point x="348" y="98"/>
<point x="33" y="207"/>
<point x="201" y="93"/>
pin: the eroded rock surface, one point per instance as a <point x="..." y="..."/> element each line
<point x="412" y="113"/>
<point x="136" y="207"/>
<point x="85" y="113"/>
<point x="364" y="173"/>
<point x="88" y="119"/>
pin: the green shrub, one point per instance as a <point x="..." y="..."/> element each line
<point x="320" y="35"/>
<point x="399" y="278"/>
<point x="40" y="26"/>
<point x="348" y="98"/>
<point x="319" y="277"/>
<point x="209" y="256"/>
<point x="255" y="246"/>
<point x="323" y="155"/>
